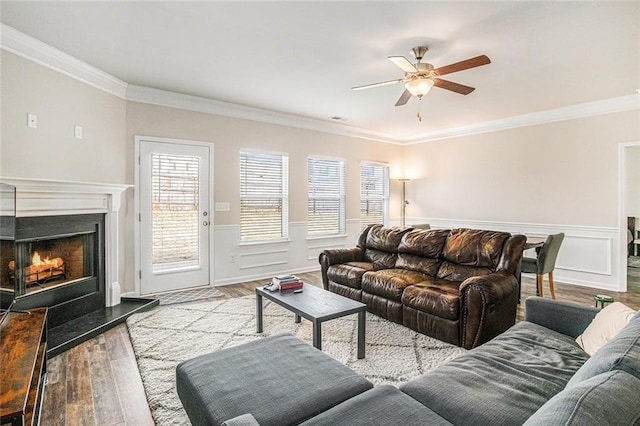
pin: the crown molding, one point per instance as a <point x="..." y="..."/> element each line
<point x="166" y="98"/>
<point x="30" y="48"/>
<point x="587" y="109"/>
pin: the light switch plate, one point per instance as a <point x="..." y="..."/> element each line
<point x="32" y="121"/>
<point x="223" y="207"/>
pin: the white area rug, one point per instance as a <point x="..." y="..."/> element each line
<point x="168" y="335"/>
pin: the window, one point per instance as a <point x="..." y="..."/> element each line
<point x="264" y="191"/>
<point x="374" y="193"/>
<point x="326" y="197"/>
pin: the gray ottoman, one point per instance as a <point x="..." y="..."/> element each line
<point x="279" y="380"/>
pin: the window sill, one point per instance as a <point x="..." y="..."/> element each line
<point x="326" y="237"/>
<point x="263" y="242"/>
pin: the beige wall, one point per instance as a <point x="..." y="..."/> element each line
<point x="563" y="173"/>
<point x="60" y="102"/>
<point x="558" y="173"/>
<point x="50" y="151"/>
<point x="230" y="135"/>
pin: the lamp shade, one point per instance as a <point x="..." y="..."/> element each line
<point x="419" y="86"/>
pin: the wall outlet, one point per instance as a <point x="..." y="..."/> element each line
<point x="32" y="121"/>
<point x="78" y="132"/>
<point x="232" y="258"/>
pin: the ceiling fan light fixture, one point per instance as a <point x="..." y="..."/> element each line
<point x="419" y="86"/>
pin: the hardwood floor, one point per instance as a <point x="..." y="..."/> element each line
<point x="98" y="382"/>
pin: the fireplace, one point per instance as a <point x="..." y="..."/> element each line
<point x="56" y="261"/>
<point x="73" y="225"/>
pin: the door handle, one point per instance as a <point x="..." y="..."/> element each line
<point x="205" y="223"/>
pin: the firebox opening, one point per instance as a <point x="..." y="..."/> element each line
<point x="45" y="263"/>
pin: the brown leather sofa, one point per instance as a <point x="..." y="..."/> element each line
<point x="459" y="286"/>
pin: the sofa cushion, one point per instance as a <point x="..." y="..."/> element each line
<point x="411" y="262"/>
<point x="454" y="272"/>
<point x="382" y="245"/>
<point x="435" y="296"/>
<point x="383" y="405"/>
<point x="350" y="273"/>
<point x="278" y="379"/>
<point x="424" y="243"/>
<point x="390" y="283"/>
<point x="385" y="238"/>
<point x="607" y="399"/>
<point x="504" y="381"/>
<point x="474" y="247"/>
<point x="620" y="353"/>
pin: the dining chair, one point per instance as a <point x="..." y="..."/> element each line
<point x="544" y="263"/>
<point x="421" y="226"/>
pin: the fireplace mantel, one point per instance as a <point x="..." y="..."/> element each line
<point x="43" y="197"/>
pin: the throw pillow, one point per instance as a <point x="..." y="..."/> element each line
<point x="604" y="327"/>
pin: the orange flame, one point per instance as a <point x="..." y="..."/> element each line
<point x="36" y="260"/>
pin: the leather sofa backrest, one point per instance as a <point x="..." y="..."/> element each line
<point x="471" y="252"/>
<point x="381" y="245"/>
<point x="421" y="250"/>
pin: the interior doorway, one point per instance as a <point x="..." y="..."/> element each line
<point x="629" y="164"/>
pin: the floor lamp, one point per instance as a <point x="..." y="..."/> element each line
<point x="404" y="200"/>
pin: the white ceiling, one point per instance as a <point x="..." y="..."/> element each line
<point x="303" y="57"/>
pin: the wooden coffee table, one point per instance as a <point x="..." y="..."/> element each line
<point x="317" y="305"/>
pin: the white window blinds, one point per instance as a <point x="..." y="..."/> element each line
<point x="326" y="197"/>
<point x="374" y="193"/>
<point x="263" y="196"/>
<point x="174" y="207"/>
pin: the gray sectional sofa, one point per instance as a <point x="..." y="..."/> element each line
<point x="533" y="374"/>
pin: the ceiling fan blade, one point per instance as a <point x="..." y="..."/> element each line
<point x="403" y="63"/>
<point x="404" y="98"/>
<point x="463" y="65"/>
<point x="454" y="87"/>
<point x="382" y="83"/>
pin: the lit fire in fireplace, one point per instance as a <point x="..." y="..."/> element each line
<point x="40" y="269"/>
<point x="36" y="261"/>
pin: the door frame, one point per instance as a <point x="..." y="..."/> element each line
<point x="137" y="243"/>
<point x="622" y="210"/>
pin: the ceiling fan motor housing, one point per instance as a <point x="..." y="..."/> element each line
<point x="419" y="52"/>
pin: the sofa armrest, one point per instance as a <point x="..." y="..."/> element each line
<point x="337" y="256"/>
<point x="568" y="318"/>
<point x="488" y="306"/>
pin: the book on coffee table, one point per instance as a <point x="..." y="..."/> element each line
<point x="291" y="286"/>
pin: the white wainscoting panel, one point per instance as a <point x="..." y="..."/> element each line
<point x="588" y="257"/>
<point x="238" y="262"/>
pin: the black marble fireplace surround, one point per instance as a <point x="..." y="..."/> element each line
<point x="76" y="295"/>
<point x="79" y="241"/>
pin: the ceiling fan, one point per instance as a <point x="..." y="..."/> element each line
<point x="421" y="76"/>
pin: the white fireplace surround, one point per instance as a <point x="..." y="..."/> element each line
<point x="43" y="197"/>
